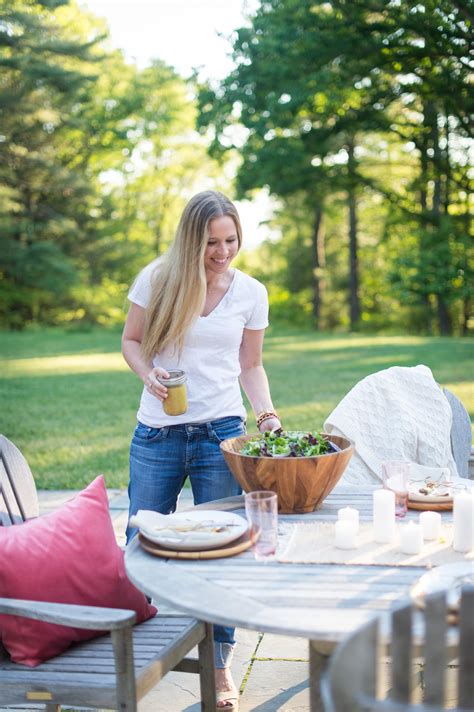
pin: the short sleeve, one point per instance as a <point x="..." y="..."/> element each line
<point x="140" y="291"/>
<point x="259" y="316"/>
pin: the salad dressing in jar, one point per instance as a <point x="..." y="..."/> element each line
<point x="177" y="401"/>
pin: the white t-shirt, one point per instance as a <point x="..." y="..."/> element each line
<point x="210" y="357"/>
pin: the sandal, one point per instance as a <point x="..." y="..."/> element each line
<point x="231" y="696"/>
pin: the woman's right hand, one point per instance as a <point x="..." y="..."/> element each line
<point x="153" y="385"/>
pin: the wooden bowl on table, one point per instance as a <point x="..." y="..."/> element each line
<point x="301" y="483"/>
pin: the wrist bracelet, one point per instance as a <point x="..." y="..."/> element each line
<point x="264" y="415"/>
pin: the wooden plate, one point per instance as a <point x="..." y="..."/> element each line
<point x="430" y="506"/>
<point x="236" y="547"/>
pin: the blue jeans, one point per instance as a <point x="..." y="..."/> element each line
<point x="160" y="461"/>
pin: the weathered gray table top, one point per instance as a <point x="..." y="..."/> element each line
<point x="323" y="602"/>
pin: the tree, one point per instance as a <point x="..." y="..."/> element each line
<point x="428" y="51"/>
<point x="302" y="115"/>
<point x="314" y="80"/>
<point x="97" y="160"/>
<point x="44" y="72"/>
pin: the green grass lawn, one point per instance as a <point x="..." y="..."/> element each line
<point x="69" y="401"/>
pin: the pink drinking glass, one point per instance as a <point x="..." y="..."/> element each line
<point x="396" y="477"/>
<point x="261" y="509"/>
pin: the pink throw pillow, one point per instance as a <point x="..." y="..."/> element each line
<point x="68" y="556"/>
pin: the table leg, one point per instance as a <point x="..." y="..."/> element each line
<point x="207" y="677"/>
<point x="317" y="665"/>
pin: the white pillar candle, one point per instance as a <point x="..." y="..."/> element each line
<point x="463" y="520"/>
<point x="346" y="534"/>
<point x="383" y="515"/>
<point x="348" y="514"/>
<point x="430" y="523"/>
<point x="411" y="538"/>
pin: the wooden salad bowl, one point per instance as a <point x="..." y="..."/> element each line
<point x="301" y="483"/>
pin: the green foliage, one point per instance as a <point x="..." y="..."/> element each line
<point x="354" y="114"/>
<point x="351" y="99"/>
<point x="288" y="308"/>
<point x="97" y="160"/>
<point x="46" y="71"/>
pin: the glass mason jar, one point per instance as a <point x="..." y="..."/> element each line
<point x="177" y="401"/>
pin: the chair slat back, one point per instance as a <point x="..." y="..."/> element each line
<point x="401" y="653"/>
<point x="345" y="687"/>
<point x="461" y="433"/>
<point x="466" y="650"/>
<point x="435" y="649"/>
<point x="18" y="496"/>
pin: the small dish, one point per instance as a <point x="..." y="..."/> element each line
<point x="235" y="547"/>
<point x="416" y="496"/>
<point x="430" y="484"/>
<point x="448" y="577"/>
<point x="190" y="531"/>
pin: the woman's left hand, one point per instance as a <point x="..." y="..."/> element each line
<point x="270" y="424"/>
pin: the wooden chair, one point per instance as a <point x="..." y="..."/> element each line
<point x="461" y="436"/>
<point x="112" y="671"/>
<point x="350" y="682"/>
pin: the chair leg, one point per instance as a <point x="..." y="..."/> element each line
<point x="124" y="670"/>
<point x="317" y="665"/>
<point x="207" y="677"/>
<point x="466" y="664"/>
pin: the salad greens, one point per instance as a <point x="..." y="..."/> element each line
<point x="291" y="443"/>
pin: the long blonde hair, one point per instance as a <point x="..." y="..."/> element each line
<point x="179" y="281"/>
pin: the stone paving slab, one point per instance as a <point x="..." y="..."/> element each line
<point x="49" y="500"/>
<point x="283" y="647"/>
<point x="179" y="692"/>
<point x="276" y="686"/>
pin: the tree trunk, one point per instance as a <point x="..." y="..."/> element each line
<point x="424" y="223"/>
<point x="353" y="250"/>
<point x="444" y="317"/>
<point x="447" y="187"/>
<point x="423" y="178"/>
<point x="437" y="164"/>
<point x="466" y="314"/>
<point x="318" y="261"/>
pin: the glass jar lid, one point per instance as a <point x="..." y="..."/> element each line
<point x="176" y="378"/>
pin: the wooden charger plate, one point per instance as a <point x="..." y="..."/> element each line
<point x="231" y="549"/>
<point x="430" y="506"/>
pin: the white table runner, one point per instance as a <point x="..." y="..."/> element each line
<point x="313" y="543"/>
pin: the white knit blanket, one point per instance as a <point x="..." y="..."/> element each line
<point x="398" y="413"/>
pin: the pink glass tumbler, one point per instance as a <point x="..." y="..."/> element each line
<point x="261" y="509"/>
<point x="396" y="477"/>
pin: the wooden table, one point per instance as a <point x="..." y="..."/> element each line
<point x="321" y="602"/>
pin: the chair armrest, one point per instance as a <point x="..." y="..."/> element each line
<point x="88" y="617"/>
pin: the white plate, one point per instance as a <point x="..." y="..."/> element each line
<point x="420" y="474"/>
<point x="449" y="578"/>
<point x="456" y="486"/>
<point x="416" y="496"/>
<point x="190" y="531"/>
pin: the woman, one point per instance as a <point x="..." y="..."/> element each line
<point x="190" y="310"/>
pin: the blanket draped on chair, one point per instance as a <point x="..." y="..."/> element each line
<point x="400" y="413"/>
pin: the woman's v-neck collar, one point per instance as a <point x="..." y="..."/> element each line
<point x="224" y="297"/>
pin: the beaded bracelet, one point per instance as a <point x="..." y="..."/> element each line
<point x="264" y="415"/>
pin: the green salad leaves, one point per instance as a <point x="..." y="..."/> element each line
<point x="291" y="443"/>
